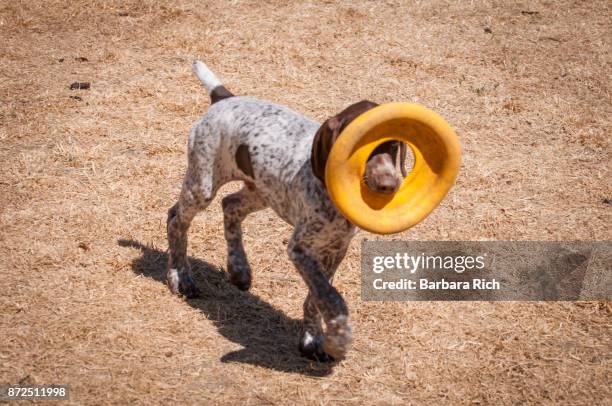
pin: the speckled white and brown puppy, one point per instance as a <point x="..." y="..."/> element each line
<point x="280" y="155"/>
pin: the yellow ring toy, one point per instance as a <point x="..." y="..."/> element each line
<point x="437" y="156"/>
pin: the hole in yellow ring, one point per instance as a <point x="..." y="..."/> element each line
<point x="376" y="200"/>
<point x="436" y="154"/>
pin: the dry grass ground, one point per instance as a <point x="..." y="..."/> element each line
<point x="86" y="184"/>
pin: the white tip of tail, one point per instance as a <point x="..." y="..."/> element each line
<point x="206" y="76"/>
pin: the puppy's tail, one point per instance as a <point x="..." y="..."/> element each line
<point x="216" y="90"/>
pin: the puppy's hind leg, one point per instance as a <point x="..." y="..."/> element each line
<point x="197" y="192"/>
<point x="236" y="207"/>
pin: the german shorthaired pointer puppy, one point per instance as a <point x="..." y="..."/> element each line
<point x="280" y="155"/>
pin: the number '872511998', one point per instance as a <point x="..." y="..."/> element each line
<point x="16" y="392"/>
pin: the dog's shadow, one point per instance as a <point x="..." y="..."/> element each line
<point x="268" y="336"/>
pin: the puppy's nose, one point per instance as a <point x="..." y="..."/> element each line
<point x="387" y="187"/>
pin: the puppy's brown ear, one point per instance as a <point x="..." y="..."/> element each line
<point x="330" y="131"/>
<point x="322" y="144"/>
<point x="402" y="158"/>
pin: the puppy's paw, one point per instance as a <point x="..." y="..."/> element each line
<point x="311" y="347"/>
<point x="181" y="283"/>
<point x="338" y="337"/>
<point x="239" y="272"/>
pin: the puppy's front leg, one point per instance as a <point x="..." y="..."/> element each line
<point x="324" y="297"/>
